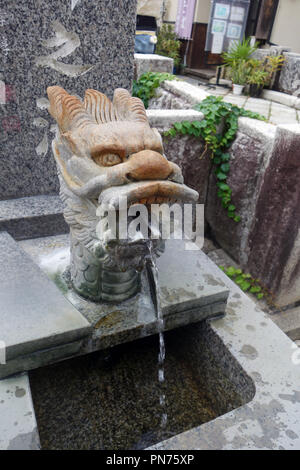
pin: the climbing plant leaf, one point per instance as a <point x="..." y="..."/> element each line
<point x="144" y="88"/>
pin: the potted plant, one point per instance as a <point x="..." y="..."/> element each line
<point x="257" y="77"/>
<point x="238" y="72"/>
<point x="257" y="81"/>
<point x="236" y="61"/>
<point x="168" y="44"/>
<point x="261" y="73"/>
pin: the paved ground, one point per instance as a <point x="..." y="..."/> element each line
<point x="275" y="113"/>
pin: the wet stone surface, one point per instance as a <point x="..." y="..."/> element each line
<point x="189" y="293"/>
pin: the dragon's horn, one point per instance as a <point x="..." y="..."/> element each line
<point x="99" y="106"/>
<point x="68" y="111"/>
<point x="128" y="108"/>
<point x="123" y="108"/>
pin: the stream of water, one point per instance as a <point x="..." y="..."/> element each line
<point x="160" y="323"/>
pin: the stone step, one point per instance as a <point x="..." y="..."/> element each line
<point x="34" y="315"/>
<point x="31" y="217"/>
<point x="289" y="322"/>
<point x="207" y="74"/>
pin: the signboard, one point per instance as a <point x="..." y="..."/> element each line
<point x="227" y="24"/>
<point x="185" y="18"/>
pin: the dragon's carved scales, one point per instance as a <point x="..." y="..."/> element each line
<point x="105" y="150"/>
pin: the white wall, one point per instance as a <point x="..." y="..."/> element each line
<point x="171" y="10"/>
<point x="286" y="29"/>
<point x="202" y="11"/>
<point x="149" y="8"/>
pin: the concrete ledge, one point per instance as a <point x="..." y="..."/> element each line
<point x="271" y="359"/>
<point x="18" y="427"/>
<point x="281" y="98"/>
<point x="164" y="118"/>
<point x="40" y="358"/>
<point x="185" y="90"/>
<point x="32" y="217"/>
<point x="255" y="128"/>
<point x="34" y="315"/>
<point x="152" y="63"/>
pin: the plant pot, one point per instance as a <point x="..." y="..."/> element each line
<point x="256" y="90"/>
<point x="237" y="89"/>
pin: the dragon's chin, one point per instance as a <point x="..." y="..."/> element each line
<point x="131" y="255"/>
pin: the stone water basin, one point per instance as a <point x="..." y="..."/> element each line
<point x="111" y="399"/>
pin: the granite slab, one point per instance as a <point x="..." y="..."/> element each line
<point x="77" y="45"/>
<point x="187" y="280"/>
<point x="34" y="315"/>
<point x="40" y="358"/>
<point x="197" y="296"/>
<point x="30" y="217"/>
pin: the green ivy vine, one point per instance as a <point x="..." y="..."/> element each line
<point x="245" y="281"/>
<point x="218" y="130"/>
<point x="144" y="88"/>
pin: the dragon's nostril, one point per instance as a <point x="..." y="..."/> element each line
<point x="149" y="165"/>
<point x="130" y="177"/>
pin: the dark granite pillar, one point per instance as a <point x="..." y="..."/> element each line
<point x="274" y="241"/>
<point x="77" y="44"/>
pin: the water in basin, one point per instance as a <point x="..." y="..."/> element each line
<point x="110" y="399"/>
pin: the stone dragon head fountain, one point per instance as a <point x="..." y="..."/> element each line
<point x="105" y="149"/>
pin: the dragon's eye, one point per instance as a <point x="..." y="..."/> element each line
<point x="108" y="159"/>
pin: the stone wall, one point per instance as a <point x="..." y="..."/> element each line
<point x="289" y="80"/>
<point x="264" y="177"/>
<point x="274" y="240"/>
<point x="77" y="45"/>
<point x="250" y="155"/>
<point x="185" y="151"/>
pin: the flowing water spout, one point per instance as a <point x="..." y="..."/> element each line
<point x="105" y="150"/>
<point x="153" y="278"/>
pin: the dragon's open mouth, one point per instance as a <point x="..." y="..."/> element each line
<point x="132" y="250"/>
<point x="147" y="192"/>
